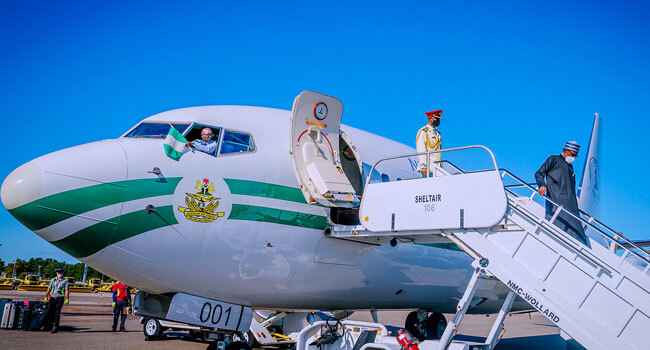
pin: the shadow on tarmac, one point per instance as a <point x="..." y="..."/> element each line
<point x="541" y="342"/>
<point x="535" y="342"/>
<point x="170" y="335"/>
<point x="71" y="329"/>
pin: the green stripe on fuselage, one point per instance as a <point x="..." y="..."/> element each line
<point x="263" y="189"/>
<point x="99" y="236"/>
<point x="277" y="216"/>
<point x="60" y="206"/>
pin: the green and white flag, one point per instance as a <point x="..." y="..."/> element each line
<point x="174" y="145"/>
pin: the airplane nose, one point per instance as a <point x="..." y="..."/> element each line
<point x="64" y="184"/>
<point x="22" y="186"/>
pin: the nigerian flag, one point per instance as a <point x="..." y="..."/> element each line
<point x="174" y="145"/>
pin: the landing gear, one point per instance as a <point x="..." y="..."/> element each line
<point x="440" y="323"/>
<point x="425" y="325"/>
<point x="249" y="339"/>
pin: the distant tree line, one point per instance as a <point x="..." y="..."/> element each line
<point x="46" y="268"/>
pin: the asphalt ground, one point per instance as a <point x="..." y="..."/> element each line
<point x="86" y="325"/>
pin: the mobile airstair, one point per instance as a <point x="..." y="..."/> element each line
<point x="596" y="293"/>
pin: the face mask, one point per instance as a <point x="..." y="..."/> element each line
<point x="570" y="159"/>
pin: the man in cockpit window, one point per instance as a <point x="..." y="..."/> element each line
<point x="206" y="143"/>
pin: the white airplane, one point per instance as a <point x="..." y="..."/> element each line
<point x="246" y="225"/>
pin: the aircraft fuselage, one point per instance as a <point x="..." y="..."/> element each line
<point x="234" y="227"/>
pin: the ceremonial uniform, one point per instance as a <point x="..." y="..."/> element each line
<point x="428" y="139"/>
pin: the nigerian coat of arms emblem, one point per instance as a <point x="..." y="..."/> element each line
<point x="201" y="206"/>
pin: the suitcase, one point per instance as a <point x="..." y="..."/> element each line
<point x="23" y="316"/>
<point x="18" y="308"/>
<point x="8" y="316"/>
<point x="3" y="302"/>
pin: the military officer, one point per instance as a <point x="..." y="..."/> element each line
<point x="428" y="139"/>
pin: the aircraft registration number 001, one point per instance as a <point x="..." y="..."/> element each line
<point x="209" y="313"/>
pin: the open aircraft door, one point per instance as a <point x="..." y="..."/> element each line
<point x="315" y="133"/>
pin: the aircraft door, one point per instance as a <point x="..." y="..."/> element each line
<point x="315" y="133"/>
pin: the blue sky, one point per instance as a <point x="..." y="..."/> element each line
<point x="519" y="77"/>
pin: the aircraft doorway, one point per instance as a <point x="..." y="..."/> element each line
<point x="326" y="163"/>
<point x="351" y="164"/>
<point x="352" y="169"/>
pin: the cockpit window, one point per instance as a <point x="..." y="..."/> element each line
<point x="226" y="141"/>
<point x="236" y="142"/>
<point x="155" y="130"/>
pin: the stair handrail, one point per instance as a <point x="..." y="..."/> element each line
<point x="428" y="154"/>
<point x="617" y="237"/>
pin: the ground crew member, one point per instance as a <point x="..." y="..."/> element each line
<point x="58" y="293"/>
<point x="121" y="302"/>
<point x="206" y="143"/>
<point x="428" y="139"/>
<point x="557" y="180"/>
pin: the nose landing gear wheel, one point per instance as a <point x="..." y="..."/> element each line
<point x="425" y="326"/>
<point x="440" y="323"/>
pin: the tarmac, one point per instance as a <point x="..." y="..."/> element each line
<point x="86" y="325"/>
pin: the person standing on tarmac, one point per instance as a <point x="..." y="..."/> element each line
<point x="429" y="139"/>
<point x="58" y="293"/>
<point x="121" y="302"/>
<point x="556" y="179"/>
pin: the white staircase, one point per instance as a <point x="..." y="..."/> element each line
<point x="598" y="295"/>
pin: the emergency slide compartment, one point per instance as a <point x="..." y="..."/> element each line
<point x="315" y="151"/>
